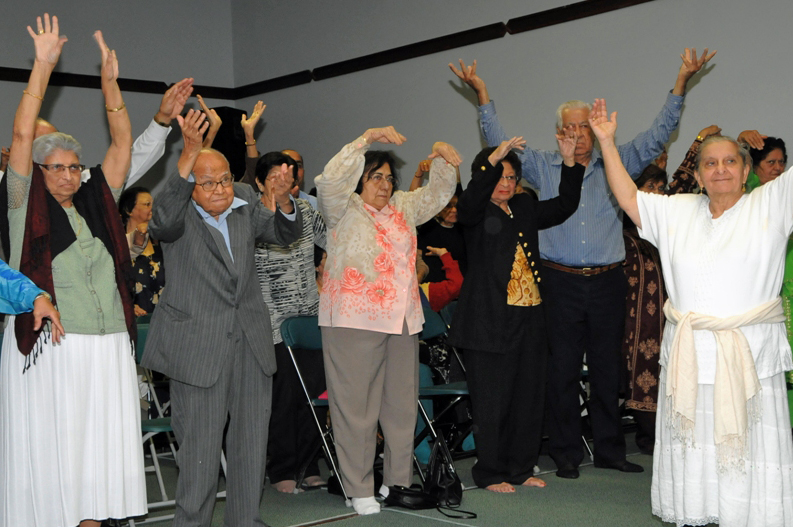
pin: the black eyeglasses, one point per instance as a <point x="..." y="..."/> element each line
<point x="58" y="168"/>
<point x="209" y="186"/>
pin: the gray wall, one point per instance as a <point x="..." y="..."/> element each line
<point x="151" y="43"/>
<point x="630" y="56"/>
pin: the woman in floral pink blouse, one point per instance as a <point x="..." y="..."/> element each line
<point x="370" y="310"/>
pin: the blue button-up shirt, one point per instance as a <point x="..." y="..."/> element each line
<point x="592" y="236"/>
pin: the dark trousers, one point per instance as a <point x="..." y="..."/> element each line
<point x="586" y="314"/>
<point x="294" y="437"/>
<point x="241" y="396"/>
<point x="507" y="400"/>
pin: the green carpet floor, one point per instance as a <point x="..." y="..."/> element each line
<point x="598" y="498"/>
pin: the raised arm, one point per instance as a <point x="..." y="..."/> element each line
<point x="427" y="201"/>
<point x="251" y="152"/>
<point x="117" y="159"/>
<point x="340" y="177"/>
<point x="167" y="221"/>
<point x="620" y="181"/>
<point x="554" y="211"/>
<point x="214" y="122"/>
<point x="691" y="65"/>
<point x="149" y="147"/>
<point x="468" y="75"/>
<point x="486" y="174"/>
<point x="48" y="44"/>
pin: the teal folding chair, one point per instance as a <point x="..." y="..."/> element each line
<point x="434" y="327"/>
<point x="303" y="333"/>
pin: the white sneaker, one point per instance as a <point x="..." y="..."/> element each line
<point x="366" y="506"/>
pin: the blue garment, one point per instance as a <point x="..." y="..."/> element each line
<point x="220" y="223"/>
<point x="592" y="236"/>
<point x="312" y="200"/>
<point x="17" y="291"/>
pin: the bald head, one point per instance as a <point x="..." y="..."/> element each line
<point x="212" y="168"/>
<point x="43" y="127"/>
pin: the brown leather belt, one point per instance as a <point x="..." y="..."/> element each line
<point x="582" y="271"/>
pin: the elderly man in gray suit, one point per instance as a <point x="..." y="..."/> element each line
<point x="211" y="330"/>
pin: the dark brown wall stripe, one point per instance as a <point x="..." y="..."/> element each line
<point x="542" y="19"/>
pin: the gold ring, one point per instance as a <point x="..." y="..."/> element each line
<point x="41" y="31"/>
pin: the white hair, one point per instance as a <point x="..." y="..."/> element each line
<point x="569" y="105"/>
<point x="46" y="144"/>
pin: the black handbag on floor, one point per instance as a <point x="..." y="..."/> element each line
<point x="442" y="482"/>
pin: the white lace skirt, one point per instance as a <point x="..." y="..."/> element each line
<point x="687" y="487"/>
<point x="70" y="440"/>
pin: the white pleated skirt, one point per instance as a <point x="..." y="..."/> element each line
<point x="70" y="440"/>
<point x="687" y="487"/>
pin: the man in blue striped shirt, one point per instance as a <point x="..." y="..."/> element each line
<point x="584" y="286"/>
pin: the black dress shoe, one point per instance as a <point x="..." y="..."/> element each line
<point x="567" y="472"/>
<point x="622" y="466"/>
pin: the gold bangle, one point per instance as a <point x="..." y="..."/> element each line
<point x="123" y="105"/>
<point x="39" y="97"/>
<point x="250" y="144"/>
<point x="700" y="138"/>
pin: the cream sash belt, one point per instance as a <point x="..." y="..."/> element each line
<point x="736" y="388"/>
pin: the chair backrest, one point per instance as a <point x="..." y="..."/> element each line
<point x="302" y="333"/>
<point x="433" y="325"/>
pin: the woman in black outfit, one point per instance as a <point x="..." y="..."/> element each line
<point x="499" y="320"/>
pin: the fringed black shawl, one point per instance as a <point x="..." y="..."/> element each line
<point x="48" y="233"/>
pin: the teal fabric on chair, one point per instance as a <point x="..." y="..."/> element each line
<point x="434" y="326"/>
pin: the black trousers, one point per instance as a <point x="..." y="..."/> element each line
<point x="507" y="400"/>
<point x="293" y="433"/>
<point x="586" y="314"/>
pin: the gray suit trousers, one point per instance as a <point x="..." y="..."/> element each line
<point x="242" y="395"/>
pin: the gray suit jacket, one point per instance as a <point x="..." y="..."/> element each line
<point x="208" y="295"/>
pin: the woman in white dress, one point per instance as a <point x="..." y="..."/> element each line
<point x="723" y="449"/>
<point x="70" y="440"/>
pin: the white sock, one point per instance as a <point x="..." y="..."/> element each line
<point x="365" y="506"/>
<point x="383" y="491"/>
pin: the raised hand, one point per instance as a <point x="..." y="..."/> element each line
<point x="193" y="126"/>
<point x="424" y="166"/>
<point x="43" y="308"/>
<point x="468" y="75"/>
<point x="47" y="41"/>
<point x="753" y="138"/>
<point x="504" y="148"/>
<point x="709" y="131"/>
<point x="173" y="101"/>
<point x="447" y="152"/>
<point x="567" y="141"/>
<point x="603" y="127"/>
<point x="691" y="63"/>
<point x="109" y="60"/>
<point x="386" y="135"/>
<point x="249" y="124"/>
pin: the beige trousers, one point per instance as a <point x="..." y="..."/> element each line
<point x="372" y="376"/>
